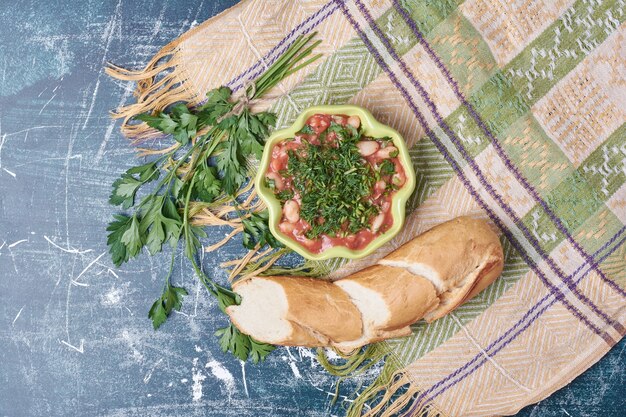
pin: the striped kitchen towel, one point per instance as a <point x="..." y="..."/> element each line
<point x="514" y="112"/>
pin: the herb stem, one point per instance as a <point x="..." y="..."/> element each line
<point x="169" y="274"/>
<point x="217" y="138"/>
<point x="186" y="210"/>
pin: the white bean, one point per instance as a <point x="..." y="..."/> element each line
<point x="291" y="210"/>
<point x="367" y="147"/>
<point x="286" y="228"/>
<point x="386" y="152"/>
<point x="378" y="222"/>
<point x="380" y="186"/>
<point x="338" y="119"/>
<point x="278" y="180"/>
<point x="354" y="121"/>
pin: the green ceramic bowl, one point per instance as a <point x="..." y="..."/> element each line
<point x="371" y="128"/>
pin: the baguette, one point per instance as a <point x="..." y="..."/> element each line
<point x="425" y="278"/>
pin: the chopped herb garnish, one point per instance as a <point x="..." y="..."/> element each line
<point x="284" y="195"/>
<point x="334" y="184"/>
<point x="306" y="130"/>
<point x="387" y="167"/>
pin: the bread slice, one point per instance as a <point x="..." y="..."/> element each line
<point x="295" y="311"/>
<point x="389" y="299"/>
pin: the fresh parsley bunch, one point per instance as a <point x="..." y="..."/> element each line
<point x="209" y="164"/>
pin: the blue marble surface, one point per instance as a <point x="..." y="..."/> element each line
<point x="73" y="328"/>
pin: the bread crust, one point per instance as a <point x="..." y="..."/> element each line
<point x="450" y="249"/>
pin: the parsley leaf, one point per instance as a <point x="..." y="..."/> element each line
<point x="232" y="165"/>
<point x="242" y="345"/>
<point x="125" y="188"/>
<point x="258" y="126"/>
<point x="347" y="132"/>
<point x="147" y="172"/>
<point x="160" y="223"/>
<point x="306" y="130"/>
<point x="387" y="167"/>
<point x="259" y="350"/>
<point x="172" y="222"/>
<point x="171" y="299"/>
<point x="216" y="106"/>
<point x="177" y="121"/>
<point x="131" y="238"/>
<point x="246" y="137"/>
<point x="284" y="195"/>
<point x="117" y="228"/>
<point x="256" y="230"/>
<point x="225" y="297"/>
<point x="207" y="185"/>
<point x="231" y="340"/>
<point x="124" y="239"/>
